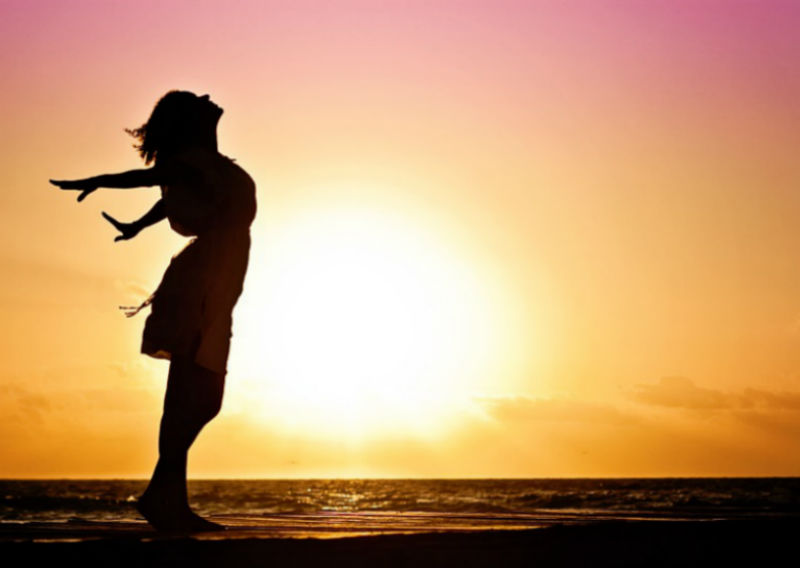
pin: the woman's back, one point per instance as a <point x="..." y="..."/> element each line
<point x="207" y="192"/>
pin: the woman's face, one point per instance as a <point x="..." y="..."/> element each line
<point x="207" y="110"/>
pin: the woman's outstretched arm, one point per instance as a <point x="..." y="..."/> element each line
<point x="129" y="230"/>
<point x="125" y="180"/>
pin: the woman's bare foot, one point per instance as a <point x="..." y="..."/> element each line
<point x="163" y="514"/>
<point x="158" y="514"/>
<point x="199" y="524"/>
<point x="166" y="518"/>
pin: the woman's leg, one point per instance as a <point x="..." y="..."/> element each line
<point x="193" y="398"/>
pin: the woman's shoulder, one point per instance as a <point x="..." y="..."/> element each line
<point x="197" y="157"/>
<point x="203" y="168"/>
<point x="191" y="165"/>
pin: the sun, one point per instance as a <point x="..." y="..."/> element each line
<point x="358" y="322"/>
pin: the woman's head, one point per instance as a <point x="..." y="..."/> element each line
<point x="179" y="120"/>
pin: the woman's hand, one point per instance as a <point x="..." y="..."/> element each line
<point x="85" y="186"/>
<point x="128" y="230"/>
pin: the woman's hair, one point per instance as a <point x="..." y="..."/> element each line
<point x="172" y="125"/>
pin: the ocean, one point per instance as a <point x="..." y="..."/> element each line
<point x="482" y="502"/>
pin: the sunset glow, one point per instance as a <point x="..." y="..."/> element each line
<point x="494" y="239"/>
<point x="361" y="323"/>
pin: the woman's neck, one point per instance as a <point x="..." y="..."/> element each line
<point x="209" y="141"/>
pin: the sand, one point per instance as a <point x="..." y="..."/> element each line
<point x="607" y="543"/>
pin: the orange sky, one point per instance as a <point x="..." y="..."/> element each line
<point x="494" y="238"/>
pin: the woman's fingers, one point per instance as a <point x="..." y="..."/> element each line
<point x="84" y="193"/>
<point x="111" y="220"/>
<point x="63" y="183"/>
<point x="74" y="184"/>
<point x="125" y="228"/>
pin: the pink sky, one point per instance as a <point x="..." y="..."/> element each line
<point x="625" y="171"/>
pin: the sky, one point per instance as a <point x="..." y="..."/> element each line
<point x="494" y="239"/>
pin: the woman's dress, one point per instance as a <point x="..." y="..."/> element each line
<point x="192" y="307"/>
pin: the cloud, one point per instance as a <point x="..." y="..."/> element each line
<point x="699" y="431"/>
<point x="30" y="404"/>
<point x="771" y="400"/>
<point x="77" y="397"/>
<point x="681" y="392"/>
<point x="524" y="409"/>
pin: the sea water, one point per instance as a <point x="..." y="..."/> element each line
<point x="472" y="501"/>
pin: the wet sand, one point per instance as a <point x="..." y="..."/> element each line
<point x="763" y="542"/>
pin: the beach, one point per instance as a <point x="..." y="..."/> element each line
<point x="609" y="543"/>
<point x="433" y="522"/>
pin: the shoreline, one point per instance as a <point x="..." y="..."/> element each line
<point x="606" y="543"/>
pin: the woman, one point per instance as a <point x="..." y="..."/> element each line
<point x="208" y="196"/>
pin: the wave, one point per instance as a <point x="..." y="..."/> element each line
<point x="107" y="500"/>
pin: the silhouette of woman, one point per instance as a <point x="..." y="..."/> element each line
<point x="207" y="196"/>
